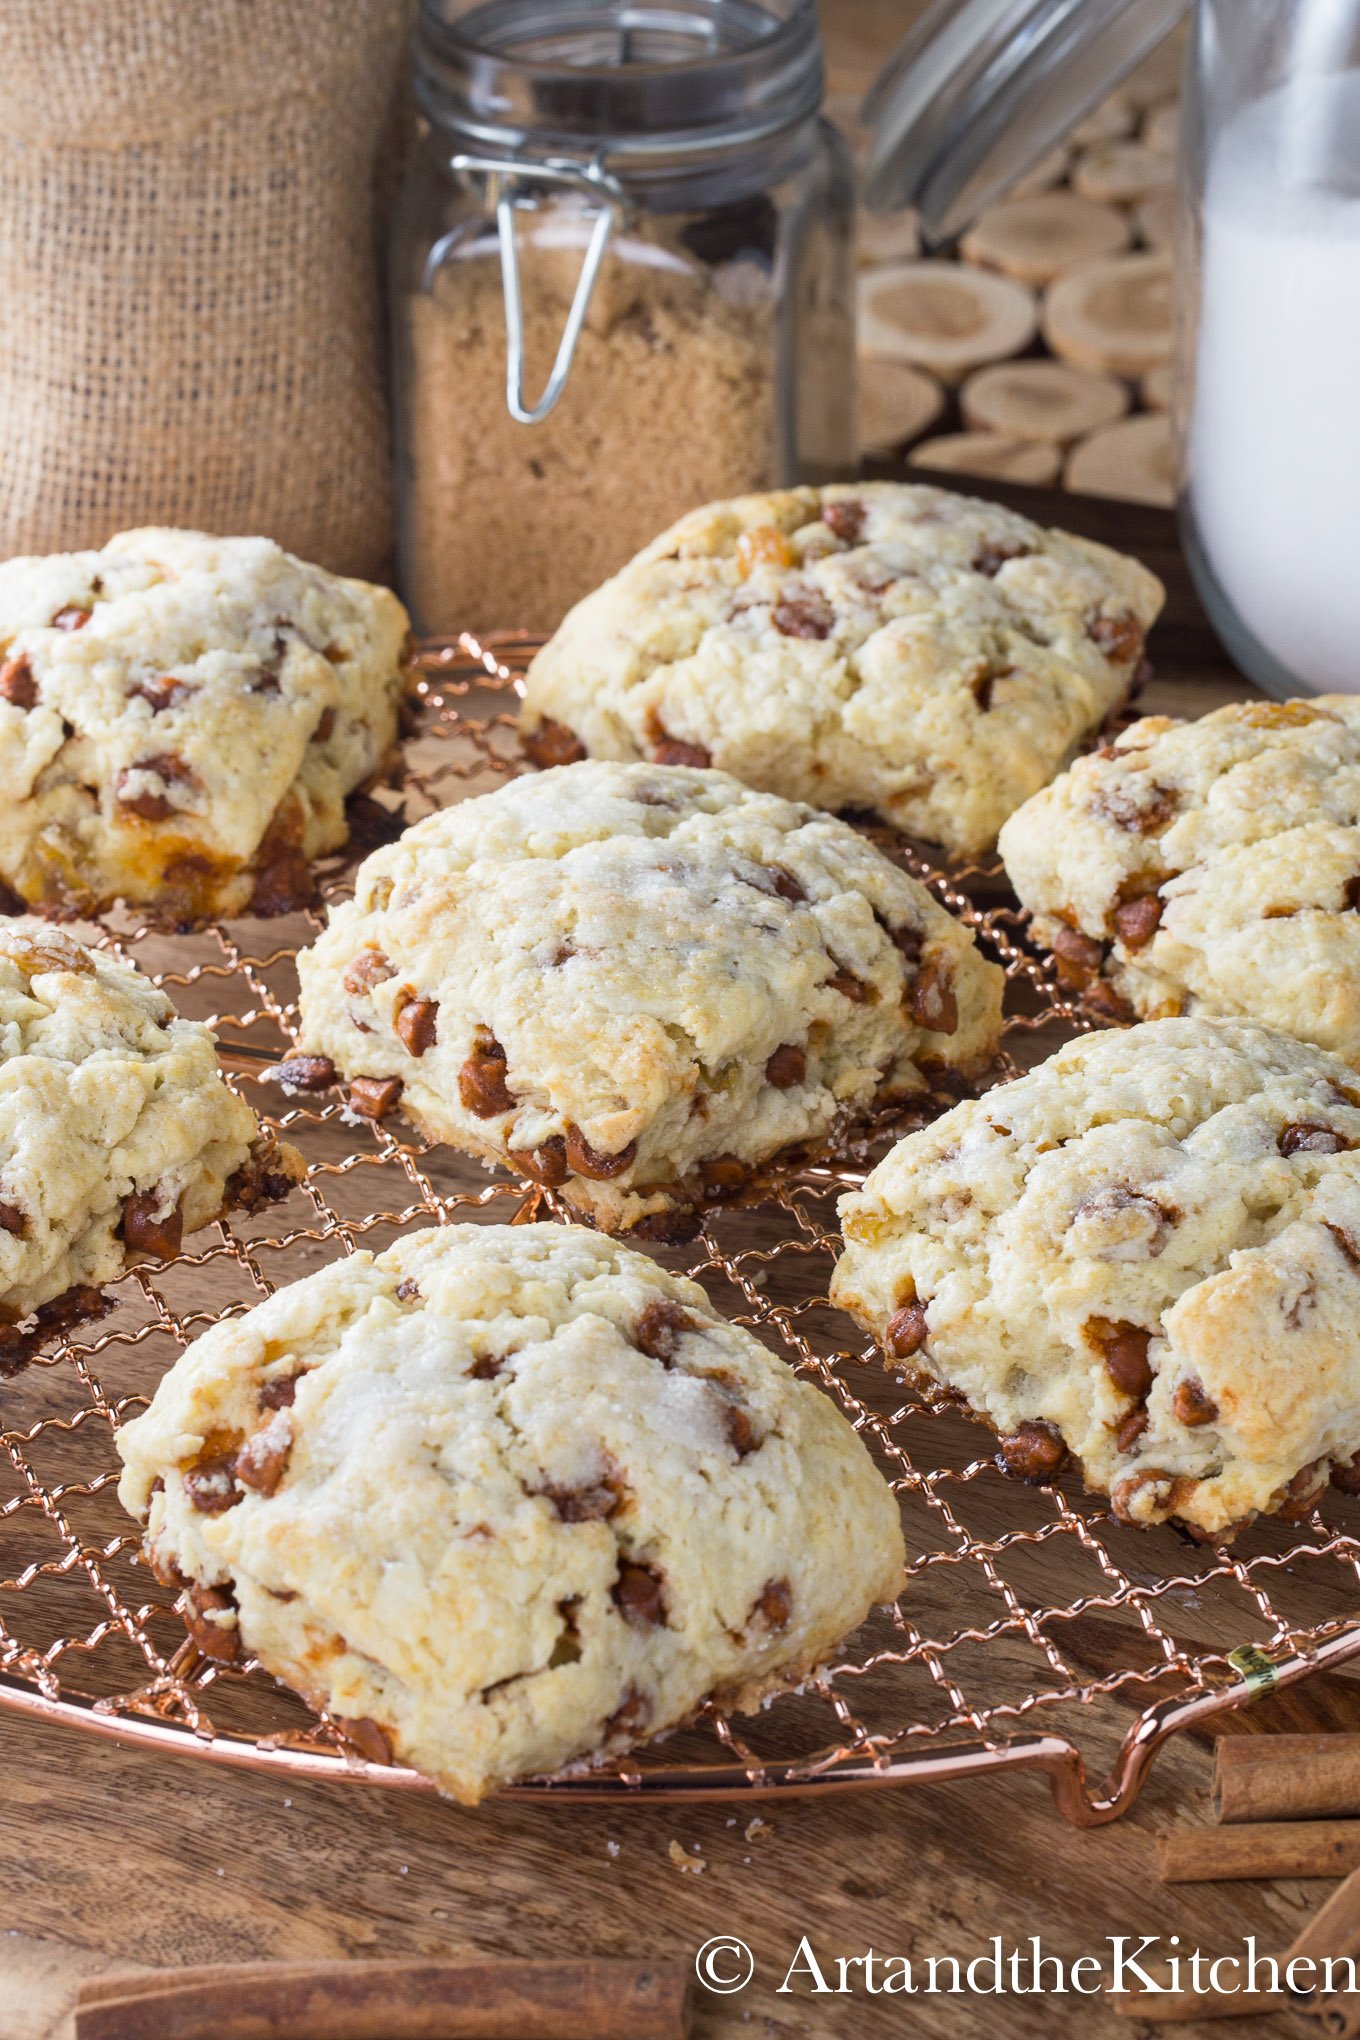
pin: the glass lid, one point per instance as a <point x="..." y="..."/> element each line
<point x="981" y="89"/>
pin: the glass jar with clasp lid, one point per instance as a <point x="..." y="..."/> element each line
<point x="623" y="287"/>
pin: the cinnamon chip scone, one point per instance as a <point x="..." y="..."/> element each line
<point x="881" y="646"/>
<point x="1144" y="1254"/>
<point x="118" y="1134"/>
<point x="1208" y="867"/>
<point x="181" y="720"/>
<point x="638" y="983"/>
<point x="507" y="1498"/>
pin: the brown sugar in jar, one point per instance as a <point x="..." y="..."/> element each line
<point x="715" y="349"/>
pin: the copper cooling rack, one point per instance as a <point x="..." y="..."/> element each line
<point x="1033" y="1632"/>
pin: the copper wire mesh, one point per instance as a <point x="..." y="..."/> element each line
<point x="1033" y="1630"/>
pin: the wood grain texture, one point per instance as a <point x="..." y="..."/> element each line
<point x="178" y="1862"/>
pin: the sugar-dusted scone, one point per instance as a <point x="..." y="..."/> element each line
<point x="118" y="1134"/>
<point x="507" y="1498"/>
<point x="881" y="646"/>
<point x="1144" y="1253"/>
<point x="638" y="983"/>
<point x="1208" y="867"/>
<point x="181" y="721"/>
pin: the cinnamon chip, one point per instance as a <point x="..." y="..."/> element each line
<point x="214" y="1639"/>
<point x="638" y="1596"/>
<point x="210" y="1484"/>
<point x="1119" y="637"/>
<point x="1307" y="1137"/>
<point x="849" y="986"/>
<point x="149" y="805"/>
<point x="1173" y="1490"/>
<point x="659" y="1326"/>
<point x="1192" y="1404"/>
<point x="909" y="941"/>
<point x="629" y="1718"/>
<point x="786" y="1067"/>
<point x="71" y="618"/>
<point x="804" y="616"/>
<point x="1079" y="956"/>
<point x="774" y="1604"/>
<point x="281" y="1392"/>
<point x="1033" y="1453"/>
<point x="162" y="693"/>
<point x="787" y="886"/>
<point x="932" y="1002"/>
<point x="369" y="968"/>
<point x="263" y="1460"/>
<point x="303" y="1073"/>
<point x="1103" y="999"/>
<point x="1123" y="1348"/>
<point x="367" y="1736"/>
<point x="12" y="1220"/>
<point x="994" y="557"/>
<point x="1145" y="816"/>
<point x="1131" y="1429"/>
<point x="1137" y="921"/>
<point x="146" y="1232"/>
<point x="586" y="1504"/>
<point x="905" y="1332"/>
<point x="416" y="1023"/>
<point x="482" y="1079"/>
<point x="741" y="1432"/>
<point x="325" y="729"/>
<point x="552" y="743"/>
<point x="723" y="1176"/>
<point x="584" y="1160"/>
<point x="846" y="519"/>
<point x="375" y="1097"/>
<point x="672" y="751"/>
<point x="18" y="684"/>
<point x="546" y="1164"/>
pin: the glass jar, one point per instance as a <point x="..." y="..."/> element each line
<point x="1269" y="394"/>
<point x="623" y="287"/>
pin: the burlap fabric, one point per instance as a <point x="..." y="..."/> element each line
<point x="190" y="329"/>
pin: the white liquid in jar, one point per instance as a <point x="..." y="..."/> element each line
<point x="1274" y="433"/>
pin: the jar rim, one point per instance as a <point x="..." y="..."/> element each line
<point x="618" y="79"/>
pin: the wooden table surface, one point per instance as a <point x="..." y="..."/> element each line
<point x="173" y="1861"/>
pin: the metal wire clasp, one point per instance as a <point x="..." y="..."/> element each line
<point x="510" y="185"/>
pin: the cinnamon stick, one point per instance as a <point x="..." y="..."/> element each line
<point x="390" y="2001"/>
<point x="1286" y="1777"/>
<point x="1318" y="1848"/>
<point x="1334" y="1932"/>
<point x="1306" y="1985"/>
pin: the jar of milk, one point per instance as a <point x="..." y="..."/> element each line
<point x="1269" y="349"/>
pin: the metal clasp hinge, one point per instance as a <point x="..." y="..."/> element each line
<point x="509" y="186"/>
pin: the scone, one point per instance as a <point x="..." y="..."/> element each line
<point x="507" y="1498"/>
<point x="181" y="720"/>
<point x="637" y="984"/>
<point x="877" y="646"/>
<point x="1208" y="867"/>
<point x="1144" y="1253"/>
<point x="117" y="1133"/>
